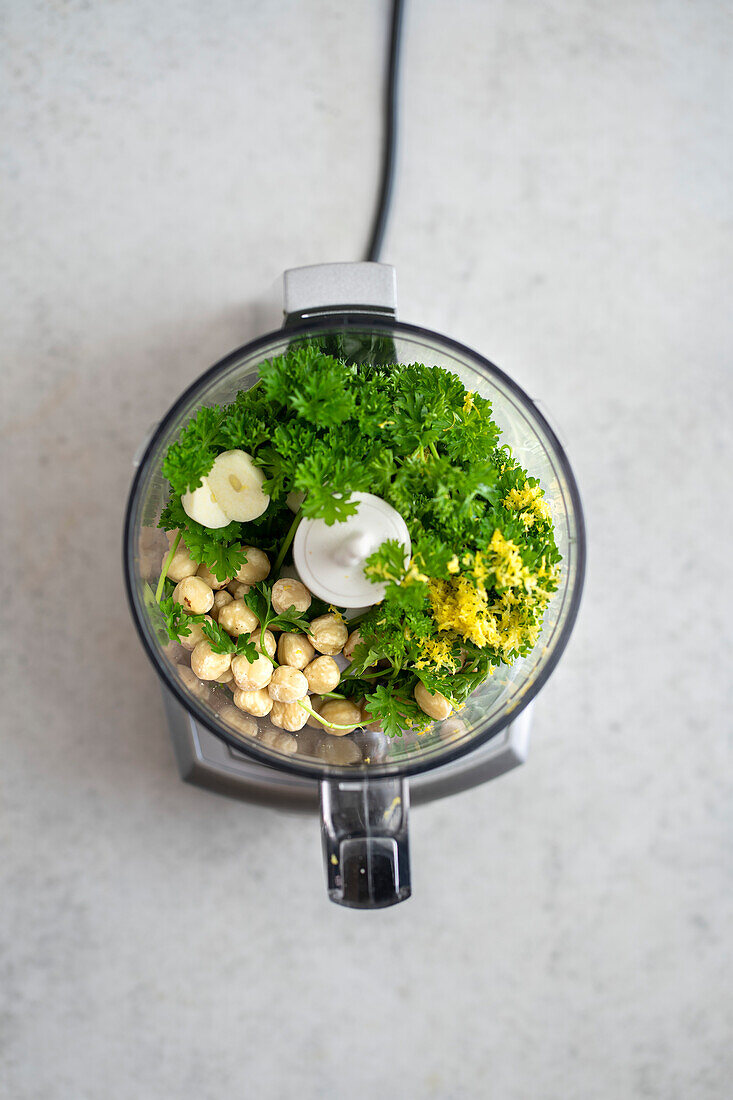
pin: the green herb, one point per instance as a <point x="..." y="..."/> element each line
<point x="166" y="566"/>
<point x="394" y="711"/>
<point x="457" y="685"/>
<point x="216" y="548"/>
<point x="177" y="622"/>
<point x="290" y="621"/>
<point x="190" y="458"/>
<point x="158" y="620"/>
<point x="362" y="659"/>
<point x="221" y="642"/>
<point x="322" y="721"/>
<point x="285" y="545"/>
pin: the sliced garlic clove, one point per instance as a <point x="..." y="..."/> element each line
<point x="237" y="485"/>
<point x="201" y="505"/>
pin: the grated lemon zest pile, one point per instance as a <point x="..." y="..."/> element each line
<point x="511" y="623"/>
<point x="436" y="652"/>
<point x="529" y="503"/>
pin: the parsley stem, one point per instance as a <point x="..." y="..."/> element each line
<point x="365" y="675"/>
<point x="434" y="450"/>
<point x="353" y="623"/>
<point x="286" y="543"/>
<point x="166" y="566"/>
<point x="314" y="714"/>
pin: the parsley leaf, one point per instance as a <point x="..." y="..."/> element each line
<point x="177" y="622"/>
<point x="387" y="563"/>
<point x="191" y="457"/>
<point x="363" y="659"/>
<point x="222" y="559"/>
<point x="316" y="476"/>
<point x="290" y="622"/>
<point x="395" y="712"/>
<point x="330" y="507"/>
<point x="221" y="642"/>
<point x="259" y="601"/>
<point x="321" y="400"/>
<point x="212" y="547"/>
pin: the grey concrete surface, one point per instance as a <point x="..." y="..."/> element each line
<point x="563" y="205"/>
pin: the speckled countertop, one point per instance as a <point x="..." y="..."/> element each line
<point x="562" y="205"/>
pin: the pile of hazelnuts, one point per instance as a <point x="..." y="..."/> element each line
<point x="290" y="679"/>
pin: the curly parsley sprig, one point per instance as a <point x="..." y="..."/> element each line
<point x="259" y="601"/>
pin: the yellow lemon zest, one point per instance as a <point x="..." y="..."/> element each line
<point x="511" y="623"/>
<point x="480" y="570"/>
<point x="506" y="561"/>
<point x="436" y="652"/>
<point x="529" y="503"/>
<point x="378" y="569"/>
<point x="413" y="574"/>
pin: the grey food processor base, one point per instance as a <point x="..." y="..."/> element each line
<point x="206" y="761"/>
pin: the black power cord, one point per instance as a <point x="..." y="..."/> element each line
<point x="389" y="147"/>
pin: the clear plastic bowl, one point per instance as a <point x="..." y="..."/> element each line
<point x="504" y="694"/>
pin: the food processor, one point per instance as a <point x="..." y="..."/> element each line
<point x="362" y="783"/>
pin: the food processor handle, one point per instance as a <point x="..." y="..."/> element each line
<point x="365" y="841"/>
<point x="327" y="290"/>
